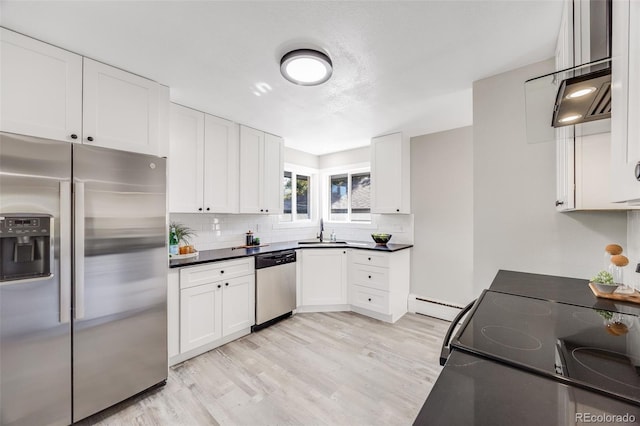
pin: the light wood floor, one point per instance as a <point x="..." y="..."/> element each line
<point x="337" y="368"/>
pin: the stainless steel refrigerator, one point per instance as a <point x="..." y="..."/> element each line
<point x="82" y="279"/>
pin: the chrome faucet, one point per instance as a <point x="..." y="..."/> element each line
<point x="320" y="236"/>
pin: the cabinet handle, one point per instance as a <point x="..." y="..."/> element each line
<point x="226" y="284"/>
<point x="344" y="252"/>
<point x="261" y="210"/>
<point x="74" y="136"/>
<point x="369" y="258"/>
<point x="222" y="272"/>
<point x="559" y="203"/>
<point x="369" y="299"/>
<point x="637" y="171"/>
<point x="219" y="286"/>
<point x="199" y="209"/>
<point x="398" y="210"/>
<point x="90" y="138"/>
<point x="267" y="210"/>
<point x="208" y="209"/>
<point x="369" y="276"/>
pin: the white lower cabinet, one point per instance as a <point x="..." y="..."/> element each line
<point x="216" y="305"/>
<point x="370" y="282"/>
<point x="379" y="283"/>
<point x="323" y="276"/>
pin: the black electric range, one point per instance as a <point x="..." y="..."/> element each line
<point x="539" y="349"/>
<point x="595" y="349"/>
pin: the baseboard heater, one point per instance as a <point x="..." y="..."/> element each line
<point x="433" y="308"/>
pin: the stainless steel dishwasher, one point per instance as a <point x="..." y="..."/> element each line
<point x="275" y="287"/>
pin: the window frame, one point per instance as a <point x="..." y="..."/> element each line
<point x="349" y="170"/>
<point x="296" y="170"/>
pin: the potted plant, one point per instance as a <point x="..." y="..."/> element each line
<point x="183" y="234"/>
<point x="604" y="282"/>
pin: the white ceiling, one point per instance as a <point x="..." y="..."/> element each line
<point x="398" y="65"/>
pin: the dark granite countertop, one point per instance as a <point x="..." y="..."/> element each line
<point x="206" y="256"/>
<point x="573" y="291"/>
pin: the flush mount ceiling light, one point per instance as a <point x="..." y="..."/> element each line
<point x="306" y="67"/>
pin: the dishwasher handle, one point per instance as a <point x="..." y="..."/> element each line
<point x="446" y="349"/>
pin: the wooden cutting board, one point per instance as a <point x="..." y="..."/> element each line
<point x="245" y="247"/>
<point x="631" y="298"/>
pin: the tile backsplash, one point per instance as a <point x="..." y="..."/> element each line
<point x="216" y="231"/>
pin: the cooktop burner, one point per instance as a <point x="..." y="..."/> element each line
<point x="511" y="338"/>
<point x="592" y="348"/>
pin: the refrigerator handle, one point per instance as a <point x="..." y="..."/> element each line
<point x="78" y="251"/>
<point x="65" y="251"/>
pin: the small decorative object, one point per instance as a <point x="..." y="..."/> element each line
<point x="182" y="234"/>
<point x="256" y="241"/>
<point x="611" y="250"/>
<point x="381" y="239"/>
<point x="618" y="262"/>
<point x="249" y="238"/>
<point x="604" y="282"/>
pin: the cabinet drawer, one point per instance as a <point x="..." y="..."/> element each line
<point x="197" y="275"/>
<point x="371" y="276"/>
<point x="369" y="257"/>
<point x="368" y="298"/>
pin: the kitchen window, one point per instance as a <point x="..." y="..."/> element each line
<point x="350" y="197"/>
<point x="297" y="197"/>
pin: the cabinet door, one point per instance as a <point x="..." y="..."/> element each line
<point x="390" y="189"/>
<point x="186" y="146"/>
<point x="238" y="304"/>
<point x="251" y="172"/>
<point x="221" y="161"/>
<point x="200" y="315"/>
<point x="625" y="98"/>
<point x="41" y="88"/>
<point x="324" y="277"/>
<point x="120" y="109"/>
<point x="273" y="174"/>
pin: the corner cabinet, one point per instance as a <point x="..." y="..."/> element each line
<point x="216" y="305"/>
<point x="323" y="280"/>
<point x="390" y="174"/>
<point x="261" y="172"/>
<point x="203" y="163"/>
<point x="52" y="93"/>
<point x="625" y="84"/>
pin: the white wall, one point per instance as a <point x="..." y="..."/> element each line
<point x="300" y="158"/>
<point x="343" y="158"/>
<point x="442" y="204"/>
<point x="515" y="224"/>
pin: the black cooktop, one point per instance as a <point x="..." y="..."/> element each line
<point x="474" y="390"/>
<point x="592" y="348"/>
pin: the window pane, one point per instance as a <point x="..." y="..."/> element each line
<point x="339" y="197"/>
<point x="360" y="197"/>
<point x="287" y="192"/>
<point x="303" y="210"/>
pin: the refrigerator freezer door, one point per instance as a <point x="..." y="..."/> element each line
<point x="120" y="324"/>
<point x="35" y="337"/>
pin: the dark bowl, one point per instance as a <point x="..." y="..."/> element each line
<point x="381" y="239"/>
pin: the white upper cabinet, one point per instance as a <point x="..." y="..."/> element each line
<point x="625" y="108"/>
<point x="52" y="93"/>
<point x="203" y="163"/>
<point x="40" y="90"/>
<point x="221" y="161"/>
<point x="186" y="148"/>
<point x="261" y="172"/>
<point x="390" y="174"/>
<point x="120" y="109"/>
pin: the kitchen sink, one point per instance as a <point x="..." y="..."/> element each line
<point x="322" y="243"/>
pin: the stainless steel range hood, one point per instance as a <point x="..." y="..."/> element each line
<point x="580" y="94"/>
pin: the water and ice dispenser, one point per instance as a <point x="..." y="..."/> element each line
<point x="25" y="246"/>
